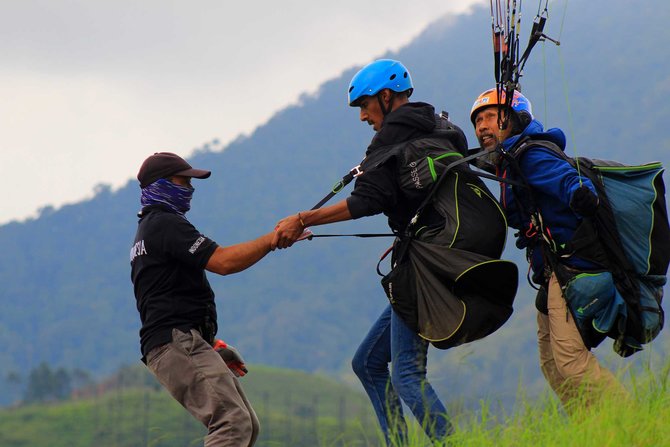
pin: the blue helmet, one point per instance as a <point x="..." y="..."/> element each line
<point x="378" y="75"/>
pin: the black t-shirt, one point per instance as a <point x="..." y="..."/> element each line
<point x="168" y="262"/>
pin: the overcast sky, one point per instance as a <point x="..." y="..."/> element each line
<point x="88" y="88"/>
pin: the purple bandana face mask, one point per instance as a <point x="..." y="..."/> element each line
<point x="163" y="191"/>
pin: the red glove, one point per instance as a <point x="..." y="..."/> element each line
<point x="232" y="357"/>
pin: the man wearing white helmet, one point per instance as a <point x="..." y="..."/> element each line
<point x="547" y="210"/>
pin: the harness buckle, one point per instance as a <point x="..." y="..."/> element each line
<point x="356" y="171"/>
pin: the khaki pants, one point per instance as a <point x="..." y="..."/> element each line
<point x="200" y="381"/>
<point x="573" y="372"/>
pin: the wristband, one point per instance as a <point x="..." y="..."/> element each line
<point x="302" y="222"/>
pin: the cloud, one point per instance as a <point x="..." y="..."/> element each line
<point x="89" y="89"/>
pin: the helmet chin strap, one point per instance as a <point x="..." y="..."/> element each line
<point x="384" y="109"/>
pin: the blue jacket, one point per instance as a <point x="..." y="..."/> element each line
<point x="552" y="181"/>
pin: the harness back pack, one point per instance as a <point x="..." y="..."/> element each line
<point x="447" y="281"/>
<point x="629" y="236"/>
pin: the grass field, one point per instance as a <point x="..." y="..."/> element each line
<point x="642" y="420"/>
<point x="298" y="409"/>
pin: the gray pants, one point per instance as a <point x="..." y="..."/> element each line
<point x="199" y="379"/>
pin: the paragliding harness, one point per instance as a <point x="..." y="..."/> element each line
<point x="447" y="281"/>
<point x="628" y="236"/>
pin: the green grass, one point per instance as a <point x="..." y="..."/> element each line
<point x="298" y="409"/>
<point x="640" y="421"/>
<point x="295" y="409"/>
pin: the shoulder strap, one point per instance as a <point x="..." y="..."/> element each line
<point x="529" y="141"/>
<point x="436" y="187"/>
<point x="348" y="177"/>
<point x="368" y="162"/>
<point x="537" y="229"/>
<point x="443" y="124"/>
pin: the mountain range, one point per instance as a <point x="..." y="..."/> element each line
<point x="66" y="295"/>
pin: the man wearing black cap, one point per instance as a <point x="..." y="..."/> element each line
<point x="176" y="303"/>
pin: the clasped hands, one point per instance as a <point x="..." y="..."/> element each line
<point x="288" y="231"/>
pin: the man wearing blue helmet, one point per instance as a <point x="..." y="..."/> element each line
<point x="547" y="211"/>
<point x="381" y="90"/>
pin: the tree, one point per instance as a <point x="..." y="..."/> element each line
<point x="44" y="384"/>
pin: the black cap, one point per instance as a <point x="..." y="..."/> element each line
<point x="166" y="164"/>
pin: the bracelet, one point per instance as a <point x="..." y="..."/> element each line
<point x="302" y="222"/>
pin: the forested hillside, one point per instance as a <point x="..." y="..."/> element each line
<point x="66" y="296"/>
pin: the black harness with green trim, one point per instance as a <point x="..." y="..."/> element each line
<point x="447" y="281"/>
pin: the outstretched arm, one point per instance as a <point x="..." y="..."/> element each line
<point x="289" y="229"/>
<point x="238" y="257"/>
